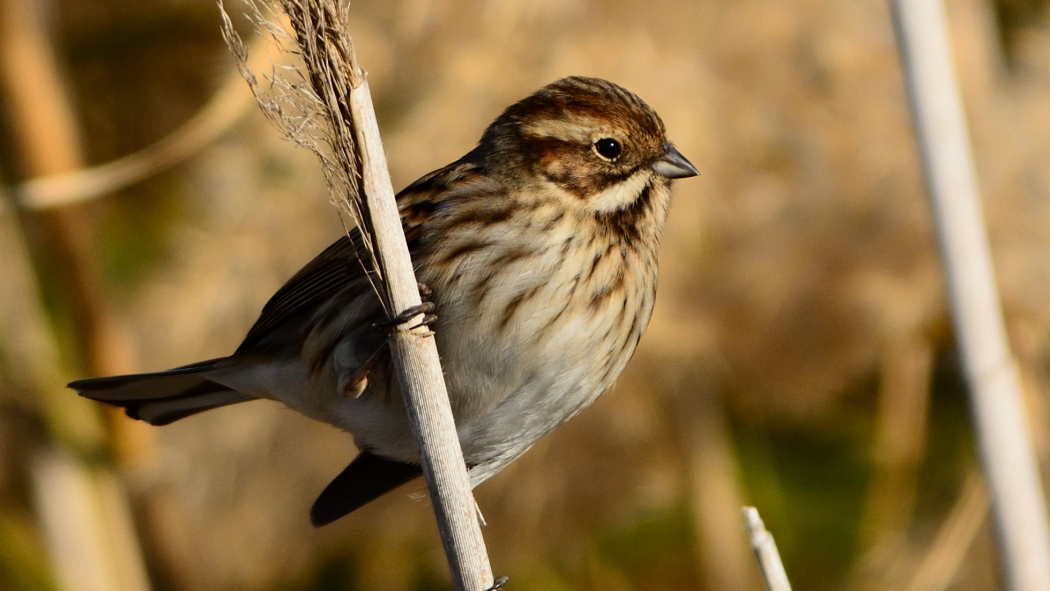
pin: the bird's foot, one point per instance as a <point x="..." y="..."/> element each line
<point x="426" y="308"/>
<point x="499" y="584"/>
<point x="425" y="292"/>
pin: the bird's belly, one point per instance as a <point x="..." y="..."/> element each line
<point x="504" y="397"/>
<point x="511" y="383"/>
<point x="504" y="401"/>
<point x="517" y="363"/>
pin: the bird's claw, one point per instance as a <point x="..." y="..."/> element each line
<point x="499" y="583"/>
<point x="426" y="308"/>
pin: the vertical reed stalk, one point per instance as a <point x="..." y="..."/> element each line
<point x="77" y="502"/>
<point x="328" y="109"/>
<point x="995" y="396"/>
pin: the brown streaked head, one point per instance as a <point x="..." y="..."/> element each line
<point x="587" y="136"/>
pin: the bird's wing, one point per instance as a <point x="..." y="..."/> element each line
<point x="342" y="266"/>
<point x="335" y="269"/>
<point x="433" y="193"/>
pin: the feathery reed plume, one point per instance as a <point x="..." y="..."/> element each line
<point x="308" y="99"/>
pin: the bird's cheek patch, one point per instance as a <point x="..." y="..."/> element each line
<point x="619" y="195"/>
<point x="561" y="165"/>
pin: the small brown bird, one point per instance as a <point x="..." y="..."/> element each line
<point x="539" y="247"/>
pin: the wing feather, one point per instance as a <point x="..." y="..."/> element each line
<point x="336" y="268"/>
<point x="342" y="265"/>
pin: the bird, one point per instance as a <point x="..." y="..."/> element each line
<point x="538" y="250"/>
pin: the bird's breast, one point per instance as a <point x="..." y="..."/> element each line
<point x="531" y="335"/>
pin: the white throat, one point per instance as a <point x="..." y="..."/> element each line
<point x="620" y="195"/>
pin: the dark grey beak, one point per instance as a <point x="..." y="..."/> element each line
<point x="673" y="165"/>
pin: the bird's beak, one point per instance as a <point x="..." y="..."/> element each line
<point x="673" y="165"/>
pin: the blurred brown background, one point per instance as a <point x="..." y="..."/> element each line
<point x="800" y="358"/>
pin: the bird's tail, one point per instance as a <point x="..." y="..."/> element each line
<point x="165" y="396"/>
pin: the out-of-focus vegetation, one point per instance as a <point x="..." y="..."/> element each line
<point x="799" y="359"/>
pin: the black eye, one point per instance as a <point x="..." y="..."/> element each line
<point x="608" y="148"/>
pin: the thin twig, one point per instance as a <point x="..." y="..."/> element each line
<point x="994" y="385"/>
<point x="766" y="553"/>
<point x="226" y="107"/>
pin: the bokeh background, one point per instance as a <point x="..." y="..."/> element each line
<point x="800" y="357"/>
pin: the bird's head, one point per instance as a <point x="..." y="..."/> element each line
<point x="596" y="141"/>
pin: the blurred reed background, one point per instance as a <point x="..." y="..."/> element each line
<point x="800" y="357"/>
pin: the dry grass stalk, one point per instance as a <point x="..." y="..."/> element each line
<point x="941" y="562"/>
<point x="84" y="552"/>
<point x="898" y="450"/>
<point x="769" y="563"/>
<point x="228" y="105"/>
<point x="995" y="395"/>
<point x="324" y="105"/>
<point x="713" y="486"/>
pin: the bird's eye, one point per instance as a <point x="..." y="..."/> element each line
<point x="608" y="148"/>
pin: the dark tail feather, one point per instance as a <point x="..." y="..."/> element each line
<point x="366" y="478"/>
<point x="162" y="397"/>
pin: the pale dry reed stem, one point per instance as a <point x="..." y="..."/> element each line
<point x="324" y="105"/>
<point x="46" y="127"/>
<point x="769" y="563"/>
<point x="999" y="417"/>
